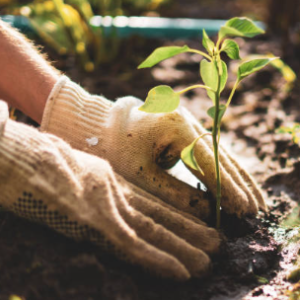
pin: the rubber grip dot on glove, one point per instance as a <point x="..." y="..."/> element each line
<point x="27" y="206"/>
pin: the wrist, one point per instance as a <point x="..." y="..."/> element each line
<point x="75" y="115"/>
<point x="26" y="78"/>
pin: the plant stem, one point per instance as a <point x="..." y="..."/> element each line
<point x="195" y="160"/>
<point x="218" y="44"/>
<point x="215" y="133"/>
<point x="201" y="53"/>
<point x="194" y="87"/>
<point x="232" y="92"/>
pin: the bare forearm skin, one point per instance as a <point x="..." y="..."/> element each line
<point x="26" y="78"/>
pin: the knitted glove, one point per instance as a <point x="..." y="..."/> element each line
<point x="138" y="145"/>
<point x="79" y="195"/>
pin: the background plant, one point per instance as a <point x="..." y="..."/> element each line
<point x="213" y="71"/>
<point x="64" y="25"/>
<point x="293" y="130"/>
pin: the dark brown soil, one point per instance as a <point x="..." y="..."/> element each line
<point x="37" y="263"/>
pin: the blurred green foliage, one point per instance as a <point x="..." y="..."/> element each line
<point x="64" y="25"/>
<point x="287" y="73"/>
<point x="293" y="130"/>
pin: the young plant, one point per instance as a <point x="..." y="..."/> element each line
<point x="213" y="71"/>
<point x="293" y="130"/>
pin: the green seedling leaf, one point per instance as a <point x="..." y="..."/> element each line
<point x="287" y="73"/>
<point x="187" y="156"/>
<point x="240" y="27"/>
<point x="209" y="74"/>
<point x="252" y="66"/>
<point x="161" y="54"/>
<point x="231" y="48"/>
<point x="161" y="99"/>
<point x="294" y="131"/>
<point x="261" y="279"/>
<point x="212" y="111"/>
<point x="285" y="70"/>
<point x="207" y="43"/>
<point x="14" y="297"/>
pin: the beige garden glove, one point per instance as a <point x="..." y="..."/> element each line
<point x="138" y="145"/>
<point x="43" y="179"/>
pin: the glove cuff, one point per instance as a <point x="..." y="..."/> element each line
<point x="4" y="115"/>
<point x="72" y="114"/>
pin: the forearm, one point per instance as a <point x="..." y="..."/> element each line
<point x="26" y="77"/>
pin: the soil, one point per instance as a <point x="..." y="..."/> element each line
<point x="37" y="263"/>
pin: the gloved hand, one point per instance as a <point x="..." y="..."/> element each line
<point x="43" y="179"/>
<point x="138" y="145"/>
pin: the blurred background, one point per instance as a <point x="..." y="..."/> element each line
<point x="74" y="38"/>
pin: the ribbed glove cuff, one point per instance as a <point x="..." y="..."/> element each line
<point x="3" y="115"/>
<point x="75" y="115"/>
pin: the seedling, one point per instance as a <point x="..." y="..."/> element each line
<point x="213" y="71"/>
<point x="293" y="130"/>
